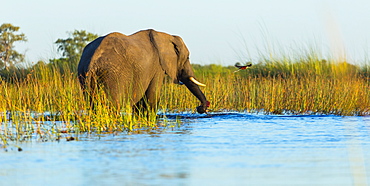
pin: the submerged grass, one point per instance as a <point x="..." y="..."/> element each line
<point x="277" y="95"/>
<point x="303" y="85"/>
<point x="49" y="105"/>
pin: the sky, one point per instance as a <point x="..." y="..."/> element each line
<point x="215" y="31"/>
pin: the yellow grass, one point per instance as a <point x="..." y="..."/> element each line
<point x="277" y="95"/>
<point x="48" y="103"/>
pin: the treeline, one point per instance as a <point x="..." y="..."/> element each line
<point x="70" y="50"/>
<point x="13" y="64"/>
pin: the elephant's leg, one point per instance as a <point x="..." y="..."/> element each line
<point x="117" y="92"/>
<point x="154" y="90"/>
<point x="152" y="94"/>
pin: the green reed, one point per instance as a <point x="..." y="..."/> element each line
<point x="305" y="86"/>
<point x="48" y="103"/>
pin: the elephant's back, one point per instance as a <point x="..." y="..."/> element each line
<point x="119" y="55"/>
<point x="111" y="57"/>
<point x="115" y="48"/>
<point x="115" y="34"/>
<point x="119" y="49"/>
<point x="111" y="51"/>
<point x="88" y="54"/>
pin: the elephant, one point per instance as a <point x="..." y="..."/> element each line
<point x="132" y="68"/>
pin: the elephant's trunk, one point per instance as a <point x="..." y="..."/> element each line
<point x="195" y="90"/>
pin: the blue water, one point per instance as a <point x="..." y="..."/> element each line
<point x="220" y="149"/>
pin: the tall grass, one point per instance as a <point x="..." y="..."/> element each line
<point x="48" y="104"/>
<point x="278" y="95"/>
<point x="304" y="85"/>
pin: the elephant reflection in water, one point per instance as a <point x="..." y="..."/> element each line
<point x="132" y="68"/>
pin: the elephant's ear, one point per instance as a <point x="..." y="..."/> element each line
<point x="168" y="52"/>
<point x="182" y="52"/>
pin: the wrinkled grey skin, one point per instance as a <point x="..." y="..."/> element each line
<point x="132" y="68"/>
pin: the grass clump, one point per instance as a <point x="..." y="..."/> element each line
<point x="303" y="85"/>
<point x="46" y="103"/>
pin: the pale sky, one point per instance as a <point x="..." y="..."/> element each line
<point x="220" y="32"/>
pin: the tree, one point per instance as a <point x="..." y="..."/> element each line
<point x="72" y="47"/>
<point x="8" y="56"/>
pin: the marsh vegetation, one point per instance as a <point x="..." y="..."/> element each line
<point x="45" y="101"/>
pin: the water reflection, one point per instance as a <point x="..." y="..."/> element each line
<point x="215" y="149"/>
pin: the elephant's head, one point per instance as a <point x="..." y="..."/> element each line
<point x="174" y="59"/>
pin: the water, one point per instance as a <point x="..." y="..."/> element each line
<point x="220" y="149"/>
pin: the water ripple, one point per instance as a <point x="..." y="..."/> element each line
<point x="226" y="148"/>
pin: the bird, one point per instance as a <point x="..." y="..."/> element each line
<point x="242" y="67"/>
